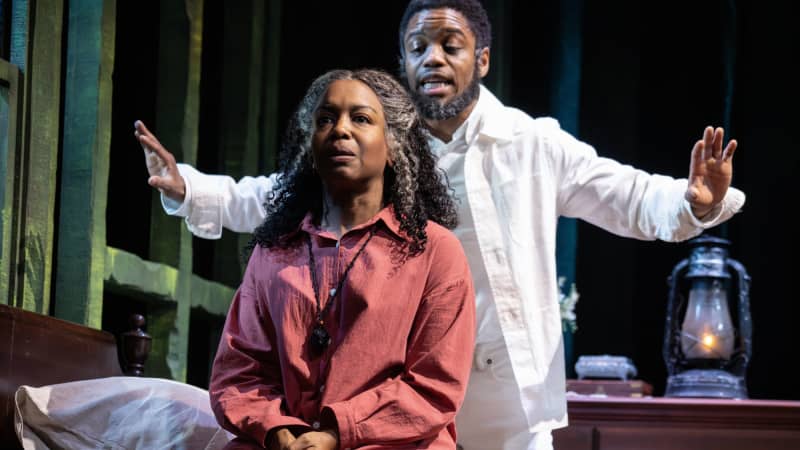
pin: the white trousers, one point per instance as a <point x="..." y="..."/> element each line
<point x="492" y="417"/>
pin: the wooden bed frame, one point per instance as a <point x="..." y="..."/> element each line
<point x="38" y="350"/>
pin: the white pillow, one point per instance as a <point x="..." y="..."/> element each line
<point x="117" y="413"/>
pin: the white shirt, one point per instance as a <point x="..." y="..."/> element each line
<point x="450" y="158"/>
<point x="520" y="175"/>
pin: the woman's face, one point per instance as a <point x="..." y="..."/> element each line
<point x="349" y="142"/>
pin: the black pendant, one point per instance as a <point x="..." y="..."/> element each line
<point x="319" y="339"/>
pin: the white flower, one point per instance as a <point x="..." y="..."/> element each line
<point x="567" y="305"/>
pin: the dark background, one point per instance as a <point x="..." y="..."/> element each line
<point x="652" y="77"/>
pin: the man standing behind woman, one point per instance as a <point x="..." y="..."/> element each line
<point x="354" y="324"/>
<point x="514" y="176"/>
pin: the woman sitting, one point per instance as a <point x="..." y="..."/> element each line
<point x="354" y="323"/>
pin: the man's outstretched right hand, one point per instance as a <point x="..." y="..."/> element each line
<point x="161" y="165"/>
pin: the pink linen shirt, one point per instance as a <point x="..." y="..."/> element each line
<point x="395" y="372"/>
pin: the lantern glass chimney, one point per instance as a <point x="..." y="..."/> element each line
<point x="707" y="331"/>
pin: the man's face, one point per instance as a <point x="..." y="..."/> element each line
<point x="440" y="63"/>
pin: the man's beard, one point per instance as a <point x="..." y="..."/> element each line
<point x="431" y="108"/>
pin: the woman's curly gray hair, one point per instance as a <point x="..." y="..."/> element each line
<point x="413" y="185"/>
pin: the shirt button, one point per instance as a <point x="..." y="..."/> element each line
<point x="501" y="259"/>
<point x="315" y="425"/>
<point x="489" y="361"/>
<point x="322" y="388"/>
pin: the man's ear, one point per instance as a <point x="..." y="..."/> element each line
<point x="483" y="62"/>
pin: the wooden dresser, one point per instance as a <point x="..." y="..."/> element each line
<point x="655" y="423"/>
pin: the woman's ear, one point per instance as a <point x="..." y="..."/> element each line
<point x="389" y="152"/>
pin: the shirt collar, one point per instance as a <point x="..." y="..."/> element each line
<point x="491" y="119"/>
<point x="385" y="215"/>
<point x="487" y="118"/>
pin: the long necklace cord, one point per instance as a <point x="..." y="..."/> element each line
<point x="320" y="338"/>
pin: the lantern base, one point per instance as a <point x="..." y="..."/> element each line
<point x="706" y="384"/>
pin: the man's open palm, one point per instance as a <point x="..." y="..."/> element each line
<point x="161" y="164"/>
<point x="710" y="171"/>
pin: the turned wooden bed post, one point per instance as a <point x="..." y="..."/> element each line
<point x="135" y="347"/>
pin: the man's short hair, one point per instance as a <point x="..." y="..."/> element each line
<point x="472" y="10"/>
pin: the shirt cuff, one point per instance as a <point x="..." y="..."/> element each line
<point x="730" y="205"/>
<point x="338" y="414"/>
<point x="174" y="207"/>
<point x="710" y="217"/>
<point x="201" y="205"/>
